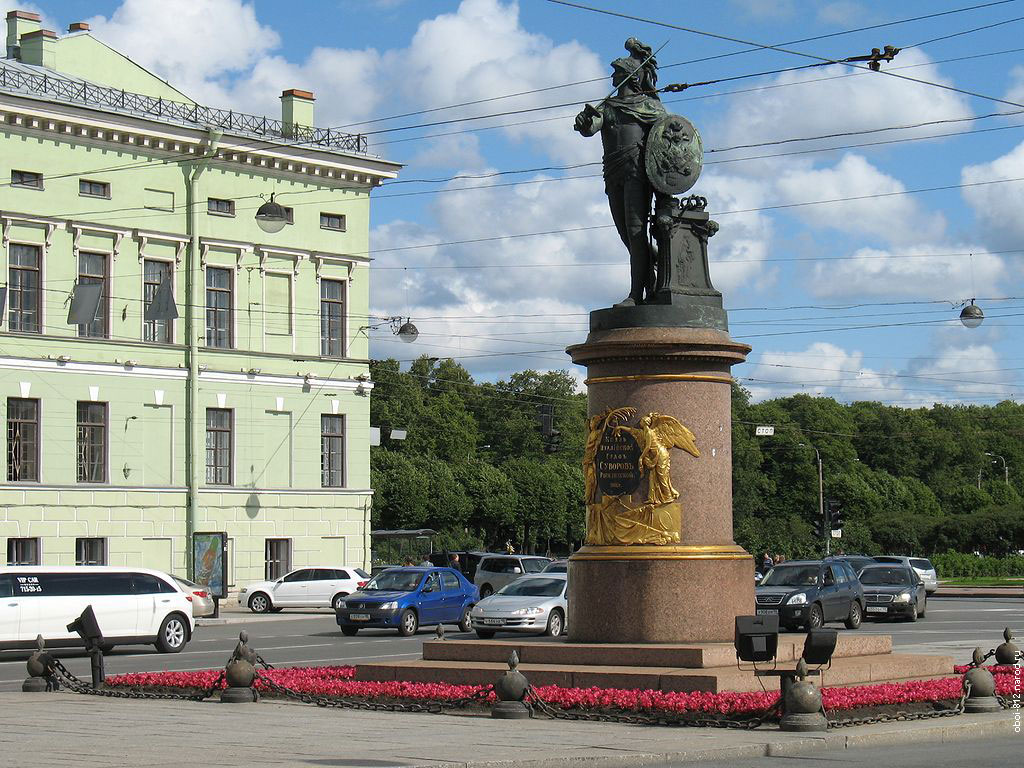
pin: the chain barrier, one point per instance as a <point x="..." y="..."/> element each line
<point x="263" y="662"/>
<point x="986" y="657"/>
<point x="534" y="701"/>
<point x="893" y="717"/>
<point x="77" y="685"/>
<point x="434" y="707"/>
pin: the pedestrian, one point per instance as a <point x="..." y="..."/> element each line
<point x="766" y="562"/>
<point x="780" y="558"/>
<point x="408" y="563"/>
<point x="453" y="561"/>
<point x="426" y="563"/>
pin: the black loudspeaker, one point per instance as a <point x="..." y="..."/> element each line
<point x="757" y="637"/>
<point x="819" y="646"/>
<point x="87" y="628"/>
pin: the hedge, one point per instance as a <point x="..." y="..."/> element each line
<point x="960" y="565"/>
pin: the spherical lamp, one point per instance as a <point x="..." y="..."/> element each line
<point x="971" y="315"/>
<point x="408" y="332"/>
<point x="271" y="216"/>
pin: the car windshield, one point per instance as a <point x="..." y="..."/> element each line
<point x="791" y="576"/>
<point x="888" y="559"/>
<point x="557" y="568"/>
<point x="394" y="581"/>
<point x="885" y="576"/>
<point x="534" y="588"/>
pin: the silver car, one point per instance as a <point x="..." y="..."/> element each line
<point x="200" y="597"/>
<point x="495" y="571"/>
<point x="922" y="566"/>
<point x="534" y="604"/>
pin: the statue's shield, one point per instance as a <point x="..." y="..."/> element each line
<point x="674" y="155"/>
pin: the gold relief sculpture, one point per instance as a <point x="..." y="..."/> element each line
<point x="611" y="519"/>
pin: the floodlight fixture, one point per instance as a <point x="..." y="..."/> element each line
<point x="756" y="638"/>
<point x="819" y="646"/>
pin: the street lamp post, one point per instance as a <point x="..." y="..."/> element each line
<point x="825" y="527"/>
<point x="1006" y="469"/>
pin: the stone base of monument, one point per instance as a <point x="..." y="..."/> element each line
<point x="711" y="667"/>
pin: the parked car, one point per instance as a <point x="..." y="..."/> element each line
<point x="533" y="604"/>
<point x="922" y="566"/>
<point x="557" y="566"/>
<point x="317" y="587"/>
<point x="408" y="598"/>
<point x="469" y="561"/>
<point x="200" y="597"/>
<point x="495" y="571"/>
<point x="133" y="606"/>
<point x="810" y="593"/>
<point x="856" y="562"/>
<point x="893" y="591"/>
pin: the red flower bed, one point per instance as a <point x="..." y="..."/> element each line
<point x="337" y="682"/>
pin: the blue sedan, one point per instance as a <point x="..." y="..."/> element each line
<point x="405" y="598"/>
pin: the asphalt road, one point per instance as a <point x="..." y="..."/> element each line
<point x="953" y="626"/>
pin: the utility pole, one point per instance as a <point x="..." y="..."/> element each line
<point x="826" y="526"/>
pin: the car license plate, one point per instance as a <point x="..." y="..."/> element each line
<point x="494" y="622"/>
<point x="359" y="616"/>
<point x="766" y="611"/>
<point x="877" y="609"/>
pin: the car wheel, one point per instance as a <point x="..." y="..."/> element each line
<point x="408" y="623"/>
<point x="912" y="616"/>
<point x="466" y="625"/>
<point x="338" y="601"/>
<point x="485" y="634"/>
<point x="555" y="624"/>
<point x="854" y="619"/>
<point x="259" y="603"/>
<point x="173" y="634"/>
<point x="486" y="591"/>
<point x="815" y="618"/>
<point x="349" y="631"/>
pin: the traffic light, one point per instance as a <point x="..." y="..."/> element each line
<point x="551" y="437"/>
<point x="819" y="527"/>
<point x="835" y="515"/>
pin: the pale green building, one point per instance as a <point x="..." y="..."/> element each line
<point x="249" y="412"/>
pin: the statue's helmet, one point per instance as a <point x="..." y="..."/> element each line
<point x="640" y="65"/>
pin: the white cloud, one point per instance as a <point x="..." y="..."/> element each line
<point x="939" y="269"/>
<point x="450" y="151"/>
<point x="894" y="219"/>
<point x="998" y="206"/>
<point x="849" y="100"/>
<point x="737" y="252"/>
<point x="973" y="372"/>
<point x="822" y="369"/>
<point x="842" y="13"/>
<point x="1016" y="91"/>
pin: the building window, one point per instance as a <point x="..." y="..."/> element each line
<point x="219" y="207"/>
<point x="289" y="215"/>
<point x="332" y="451"/>
<point x="279" y="558"/>
<point x="22" y="439"/>
<point x="332" y="221"/>
<point x="92" y="442"/>
<point x="90" y="551"/>
<point x="92" y="268"/>
<point x="23" y="551"/>
<point x="155" y="273"/>
<point x="218" y="307"/>
<point x="26" y="179"/>
<point x="88" y="188"/>
<point x="218" y="446"/>
<point x="25" y="289"/>
<point x="332" y="318"/>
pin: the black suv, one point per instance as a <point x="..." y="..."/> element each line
<point x="810" y="593"/>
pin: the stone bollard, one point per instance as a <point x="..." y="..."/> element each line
<point x="240" y="674"/>
<point x="980" y="687"/>
<point x="439" y="632"/>
<point x="511" y="689"/>
<point x="801" y="704"/>
<point x="40" y="671"/>
<point x="1007" y="652"/>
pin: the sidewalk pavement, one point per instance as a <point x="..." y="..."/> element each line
<point x="54" y="730"/>
<point x="943" y="591"/>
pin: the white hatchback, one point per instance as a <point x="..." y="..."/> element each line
<point x="311" y="587"/>
<point x="132" y="605"/>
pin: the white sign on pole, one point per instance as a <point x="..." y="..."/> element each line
<point x="764" y="431"/>
<point x="837" y="533"/>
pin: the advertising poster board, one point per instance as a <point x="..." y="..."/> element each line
<point x="209" y="553"/>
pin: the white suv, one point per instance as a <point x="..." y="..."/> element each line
<point x="921" y="566"/>
<point x="132" y="606"/>
<point x="311" y="587"/>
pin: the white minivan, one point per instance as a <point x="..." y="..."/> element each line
<point x="132" y="606"/>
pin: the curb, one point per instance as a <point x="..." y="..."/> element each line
<point x="979" y="593"/>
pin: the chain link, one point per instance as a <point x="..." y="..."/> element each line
<point x="77" y="685"/>
<point x="986" y="657"/>
<point x="533" y="700"/>
<point x="434" y="707"/>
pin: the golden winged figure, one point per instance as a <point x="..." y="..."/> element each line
<point x="595" y="431"/>
<point x="657" y="434"/>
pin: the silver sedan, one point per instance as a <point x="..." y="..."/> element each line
<point x="534" y="604"/>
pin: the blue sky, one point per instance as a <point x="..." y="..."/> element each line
<point x="854" y="299"/>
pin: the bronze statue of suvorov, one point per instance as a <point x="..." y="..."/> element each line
<point x="648" y="153"/>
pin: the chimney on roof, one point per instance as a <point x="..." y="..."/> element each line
<point x="296" y="110"/>
<point x="39" y="48"/>
<point x="19" y="23"/>
<point x="78" y="26"/>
